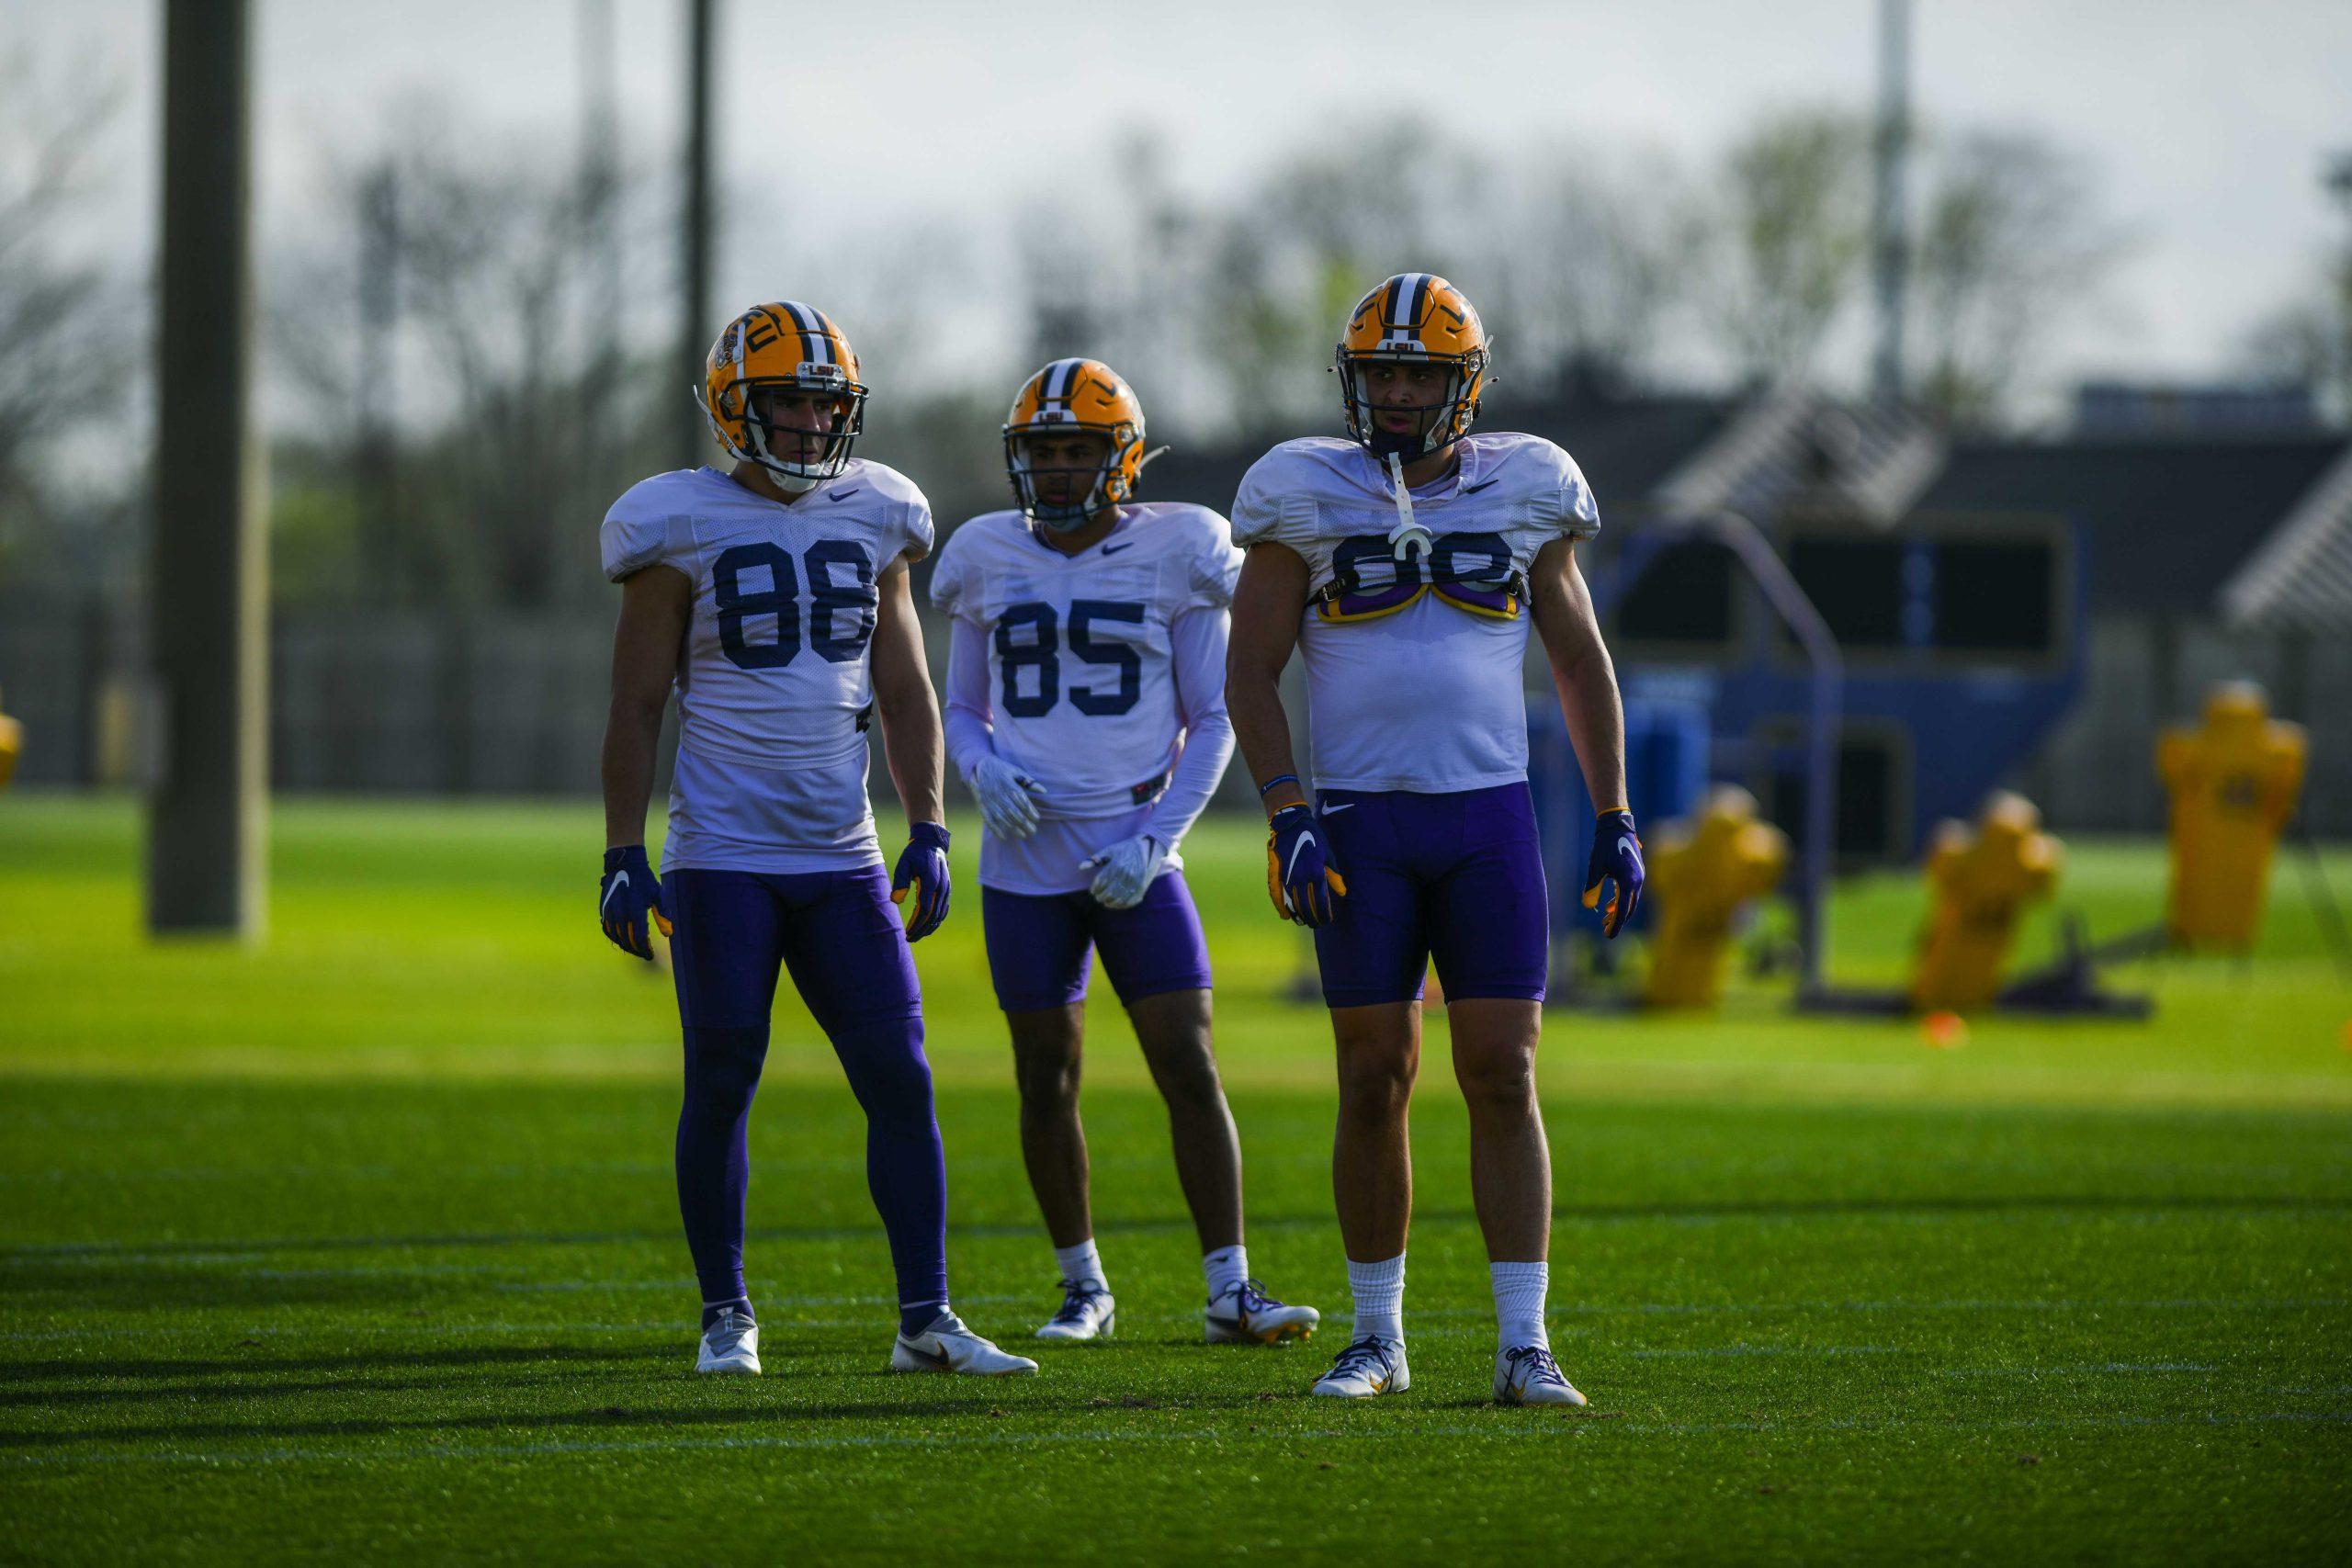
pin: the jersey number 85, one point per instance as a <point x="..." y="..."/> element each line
<point x="1028" y="638"/>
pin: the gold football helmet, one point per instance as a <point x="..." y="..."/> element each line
<point x="1067" y="396"/>
<point x="783" y="346"/>
<point x="1414" y="318"/>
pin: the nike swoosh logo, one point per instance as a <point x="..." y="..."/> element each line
<point x="1232" y="1323"/>
<point x="1626" y="846"/>
<point x="1113" y="549"/>
<point x="1472" y="489"/>
<point x="1335" y="811"/>
<point x="936" y="1357"/>
<point x="1292" y="869"/>
<point x="844" y="494"/>
<point x="620" y="880"/>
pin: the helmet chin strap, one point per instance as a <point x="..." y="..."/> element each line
<point x="1408" y="536"/>
<point x="786" y="480"/>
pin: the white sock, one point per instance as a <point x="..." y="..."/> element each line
<point x="1519" y="1302"/>
<point x="1225" y="1267"/>
<point x="1379" y="1291"/>
<point x="1081" y="1263"/>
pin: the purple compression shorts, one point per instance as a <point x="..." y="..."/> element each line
<point x="1038" y="944"/>
<point x="1455" y="878"/>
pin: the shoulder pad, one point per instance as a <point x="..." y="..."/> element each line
<point x="651" y="524"/>
<point x="1283" y="492"/>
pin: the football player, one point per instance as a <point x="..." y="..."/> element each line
<point x="773" y="596"/>
<point x="1086" y="710"/>
<point x="1406" y="563"/>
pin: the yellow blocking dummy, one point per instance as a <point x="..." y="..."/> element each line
<point x="12" y="742"/>
<point x="2233" y="780"/>
<point x="1980" y="880"/>
<point x="1700" y="876"/>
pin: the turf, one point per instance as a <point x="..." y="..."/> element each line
<point x="363" y="1242"/>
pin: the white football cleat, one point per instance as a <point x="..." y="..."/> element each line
<point x="1244" y="1313"/>
<point x="1366" y="1368"/>
<point x="1087" y="1313"/>
<point x="1526" y="1374"/>
<point x="948" y="1347"/>
<point x="731" y="1343"/>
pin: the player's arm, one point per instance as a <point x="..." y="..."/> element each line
<point x="1124" y="871"/>
<point x="1267" y="604"/>
<point x="1009" y="798"/>
<point x="1586" y="681"/>
<point x="913" y="746"/>
<point x="912" y="741"/>
<point x="655" y="604"/>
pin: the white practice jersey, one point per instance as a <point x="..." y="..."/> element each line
<point x="774" y="689"/>
<point x="1082" y="687"/>
<point x="1415" y="667"/>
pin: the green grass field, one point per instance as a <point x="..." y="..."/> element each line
<point x="364" y="1243"/>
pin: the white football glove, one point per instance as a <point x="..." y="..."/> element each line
<point x="1008" y="798"/>
<point x="1127" y="870"/>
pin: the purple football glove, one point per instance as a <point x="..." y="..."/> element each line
<point x="923" y="871"/>
<point x="1616" y="859"/>
<point x="626" y="896"/>
<point x="1300" y="878"/>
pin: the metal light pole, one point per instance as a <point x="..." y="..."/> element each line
<point x="208" y="818"/>
<point x="1890" y="238"/>
<point x="695" y="328"/>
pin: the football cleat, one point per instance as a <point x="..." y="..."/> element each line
<point x="1244" y="1313"/>
<point x="731" y="1343"/>
<point x="1526" y="1374"/>
<point x="1087" y="1313"/>
<point x="1366" y="1368"/>
<point x="948" y="1347"/>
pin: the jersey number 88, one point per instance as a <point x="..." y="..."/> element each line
<point x="828" y="601"/>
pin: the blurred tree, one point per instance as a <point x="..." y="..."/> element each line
<point x="1791" y="229"/>
<point x="518" y="411"/>
<point x="2310" y="341"/>
<point x="1591" y="269"/>
<point x="68" y="328"/>
<point x="2014" y="236"/>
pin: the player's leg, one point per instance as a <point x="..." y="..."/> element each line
<point x="848" y="955"/>
<point x="1038" y="958"/>
<point x="725" y="946"/>
<point x="1158" y="960"/>
<point x="1373" y="958"/>
<point x="1491" y="939"/>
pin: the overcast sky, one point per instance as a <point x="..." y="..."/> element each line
<point x="2208" y="121"/>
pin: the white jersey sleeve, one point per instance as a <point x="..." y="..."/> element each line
<point x="951" y="576"/>
<point x="901" y="513"/>
<point x="1274" y="505"/>
<point x="651" y="525"/>
<point x="1215" y="563"/>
